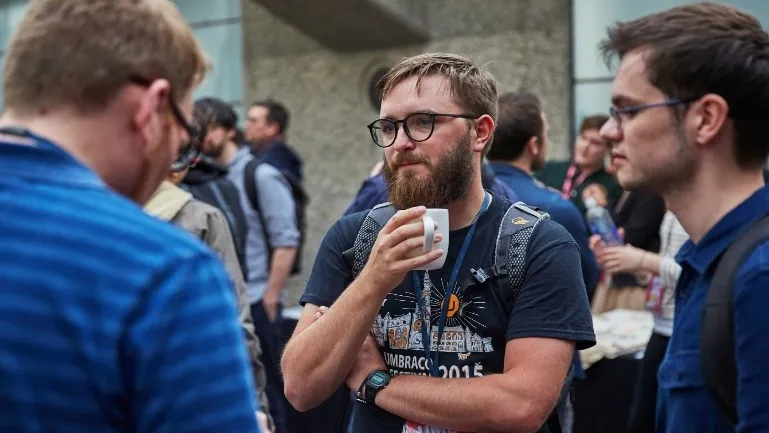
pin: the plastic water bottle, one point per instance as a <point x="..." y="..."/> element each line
<point x="600" y="222"/>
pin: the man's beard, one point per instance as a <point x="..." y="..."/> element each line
<point x="448" y="181"/>
<point x="214" y="150"/>
<point x="538" y="162"/>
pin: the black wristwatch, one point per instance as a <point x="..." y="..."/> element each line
<point x="376" y="381"/>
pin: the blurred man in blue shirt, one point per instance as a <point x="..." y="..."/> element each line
<point x="520" y="148"/>
<point x="690" y="103"/>
<point x="110" y="320"/>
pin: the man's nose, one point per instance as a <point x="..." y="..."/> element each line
<point x="403" y="143"/>
<point x="610" y="131"/>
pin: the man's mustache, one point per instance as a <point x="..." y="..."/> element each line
<point x="405" y="159"/>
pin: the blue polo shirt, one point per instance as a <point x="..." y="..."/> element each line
<point x="110" y="320"/>
<point x="685" y="404"/>
<point x="562" y="211"/>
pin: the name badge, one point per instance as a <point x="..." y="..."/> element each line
<point x="655" y="294"/>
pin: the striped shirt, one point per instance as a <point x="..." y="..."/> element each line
<point x="110" y="320"/>
<point x="672" y="236"/>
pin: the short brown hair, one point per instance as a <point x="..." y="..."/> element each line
<point x="472" y="88"/>
<point x="520" y="119"/>
<point x="703" y="48"/>
<point x="80" y="53"/>
<point x="595" y="121"/>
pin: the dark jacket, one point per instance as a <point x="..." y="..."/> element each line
<point x="207" y="181"/>
<point x="281" y="156"/>
<point x="640" y="215"/>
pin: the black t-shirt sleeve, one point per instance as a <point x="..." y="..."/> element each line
<point x="331" y="274"/>
<point x="552" y="302"/>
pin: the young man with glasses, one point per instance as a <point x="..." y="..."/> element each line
<point x="689" y="122"/>
<point x="495" y="364"/>
<point x="108" y="316"/>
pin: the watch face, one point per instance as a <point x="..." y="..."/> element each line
<point x="378" y="378"/>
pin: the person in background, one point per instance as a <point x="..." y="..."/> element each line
<point x="266" y="127"/>
<point x="518" y="149"/>
<point x="690" y="100"/>
<point x="271" y="244"/>
<point x="110" y="320"/>
<point x="660" y="301"/>
<point x="207" y="223"/>
<point x="586" y="168"/>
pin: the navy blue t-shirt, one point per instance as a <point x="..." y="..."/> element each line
<point x="552" y="303"/>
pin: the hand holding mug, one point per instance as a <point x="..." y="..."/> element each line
<point x="400" y="248"/>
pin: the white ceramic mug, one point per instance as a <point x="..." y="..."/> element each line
<point x="430" y="219"/>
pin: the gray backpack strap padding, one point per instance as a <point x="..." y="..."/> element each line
<point x="364" y="242"/>
<point x="511" y="246"/>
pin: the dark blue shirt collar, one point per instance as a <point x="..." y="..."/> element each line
<point x="32" y="157"/>
<point x="702" y="255"/>
<point x="504" y="169"/>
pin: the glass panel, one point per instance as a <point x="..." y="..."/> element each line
<point x="591" y="18"/>
<point x="2" y="104"/>
<point x="207" y="10"/>
<point x="223" y="44"/>
<point x="589" y="99"/>
<point x="11" y="13"/>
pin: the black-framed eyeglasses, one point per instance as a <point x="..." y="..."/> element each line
<point x="617" y="113"/>
<point x="417" y="126"/>
<point x="189" y="149"/>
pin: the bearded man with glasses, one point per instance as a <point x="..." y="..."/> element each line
<point x="494" y="328"/>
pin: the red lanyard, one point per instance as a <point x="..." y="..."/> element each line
<point x="569" y="182"/>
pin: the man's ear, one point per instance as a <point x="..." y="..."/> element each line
<point x="273" y="128"/>
<point x="533" y="146"/>
<point x="708" y="116"/>
<point x="231" y="134"/>
<point x="145" y="118"/>
<point x="483" y="132"/>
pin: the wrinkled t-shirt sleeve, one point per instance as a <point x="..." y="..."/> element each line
<point x="552" y="302"/>
<point x="331" y="274"/>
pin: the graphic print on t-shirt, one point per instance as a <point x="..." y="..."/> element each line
<point x="398" y="331"/>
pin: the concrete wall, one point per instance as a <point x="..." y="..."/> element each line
<point x="525" y="44"/>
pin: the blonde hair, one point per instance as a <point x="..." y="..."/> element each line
<point x="472" y="88"/>
<point x="80" y="53"/>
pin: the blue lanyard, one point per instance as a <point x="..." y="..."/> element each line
<point x="432" y="362"/>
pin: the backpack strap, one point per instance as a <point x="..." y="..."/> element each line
<point x="357" y="256"/>
<point x="511" y="246"/>
<point x="717" y="350"/>
<point x="252" y="193"/>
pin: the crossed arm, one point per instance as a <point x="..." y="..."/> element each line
<point x="519" y="400"/>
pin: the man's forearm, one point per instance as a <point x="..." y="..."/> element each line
<point x="317" y="359"/>
<point x="486" y="404"/>
<point x="280" y="268"/>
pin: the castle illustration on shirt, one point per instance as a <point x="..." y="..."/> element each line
<point x="404" y="331"/>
